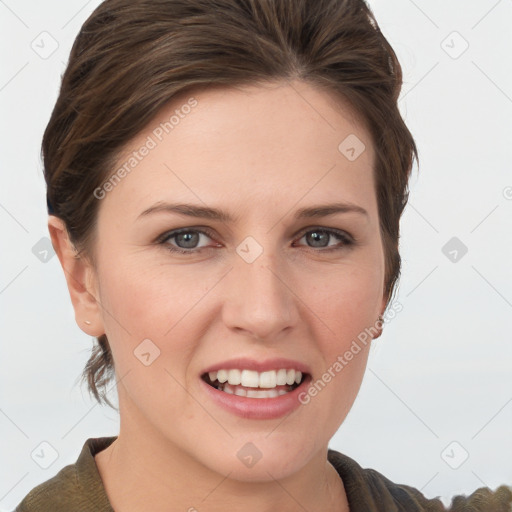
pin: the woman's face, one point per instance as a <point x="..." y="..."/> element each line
<point x="267" y="284"/>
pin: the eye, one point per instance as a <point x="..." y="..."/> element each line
<point x="320" y="238"/>
<point x="186" y="240"/>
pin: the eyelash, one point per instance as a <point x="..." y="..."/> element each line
<point x="340" y="235"/>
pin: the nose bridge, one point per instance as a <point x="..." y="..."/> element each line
<point x="260" y="299"/>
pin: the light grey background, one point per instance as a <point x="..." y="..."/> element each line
<point x="439" y="380"/>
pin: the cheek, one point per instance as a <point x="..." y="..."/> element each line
<point x="159" y="303"/>
<point x="347" y="306"/>
<point x="347" y="300"/>
<point x="149" y="299"/>
<point x="145" y="313"/>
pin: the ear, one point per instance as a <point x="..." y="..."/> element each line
<point x="80" y="278"/>
<point x="380" y="324"/>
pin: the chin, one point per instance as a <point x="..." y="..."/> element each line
<point x="258" y="458"/>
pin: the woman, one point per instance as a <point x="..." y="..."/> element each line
<point x="225" y="184"/>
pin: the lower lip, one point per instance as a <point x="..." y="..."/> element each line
<point x="257" y="408"/>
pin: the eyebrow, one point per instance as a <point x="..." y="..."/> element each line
<point x="205" y="212"/>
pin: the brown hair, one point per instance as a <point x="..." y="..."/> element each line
<point x="132" y="57"/>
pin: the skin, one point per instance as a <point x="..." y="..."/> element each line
<point x="259" y="153"/>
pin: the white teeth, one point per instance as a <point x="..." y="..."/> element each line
<point x="268" y="379"/>
<point x="253" y="393"/>
<point x="252" y="379"/>
<point x="222" y="375"/>
<point x="234" y="377"/>
<point x="240" y="392"/>
<point x="281" y="377"/>
<point x="249" y="379"/>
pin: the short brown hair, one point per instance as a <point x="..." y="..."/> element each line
<point x="132" y="57"/>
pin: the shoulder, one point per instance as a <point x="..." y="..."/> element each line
<point x="76" y="486"/>
<point x="53" y="494"/>
<point x="368" y="490"/>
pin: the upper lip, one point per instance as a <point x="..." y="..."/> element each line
<point x="244" y="363"/>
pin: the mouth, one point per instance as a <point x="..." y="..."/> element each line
<point x="252" y="384"/>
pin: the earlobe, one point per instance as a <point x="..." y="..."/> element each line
<point x="379" y="323"/>
<point x="80" y="278"/>
<point x="380" y="320"/>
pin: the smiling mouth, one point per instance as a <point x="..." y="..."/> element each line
<point x="252" y="384"/>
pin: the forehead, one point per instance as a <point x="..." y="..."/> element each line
<point x="268" y="143"/>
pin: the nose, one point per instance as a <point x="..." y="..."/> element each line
<point x="260" y="299"/>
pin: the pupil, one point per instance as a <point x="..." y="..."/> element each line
<point x="187" y="238"/>
<point x="316" y="236"/>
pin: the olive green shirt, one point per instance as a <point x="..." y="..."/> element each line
<point x="78" y="488"/>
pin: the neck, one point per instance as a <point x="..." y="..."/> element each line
<point x="146" y="472"/>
